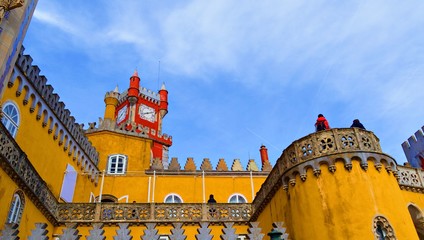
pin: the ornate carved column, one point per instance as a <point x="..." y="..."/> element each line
<point x="7" y="5"/>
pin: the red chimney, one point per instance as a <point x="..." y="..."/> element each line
<point x="264" y="154"/>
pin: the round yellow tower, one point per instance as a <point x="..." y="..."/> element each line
<point x="111" y="101"/>
<point x="335" y="184"/>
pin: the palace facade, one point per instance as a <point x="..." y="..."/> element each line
<point x="114" y="178"/>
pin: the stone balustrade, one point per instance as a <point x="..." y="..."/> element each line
<point x="411" y="178"/>
<point x="153" y="212"/>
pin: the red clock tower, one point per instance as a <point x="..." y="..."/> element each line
<point x="141" y="110"/>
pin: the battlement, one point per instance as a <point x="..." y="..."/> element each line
<point x="206" y="166"/>
<point x="112" y="94"/>
<point x="40" y="97"/>
<point x="414" y="148"/>
<point x="129" y="128"/>
<point x="145" y="93"/>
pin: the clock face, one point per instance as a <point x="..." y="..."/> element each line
<point x="122" y="113"/>
<point x="147" y="113"/>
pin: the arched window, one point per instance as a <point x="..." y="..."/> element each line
<point x="173" y="198"/>
<point x="16" y="208"/>
<point x="117" y="164"/>
<point x="107" y="198"/>
<point x="10" y="118"/>
<point x="382" y="229"/>
<point x="417" y="218"/>
<point x="237" y="198"/>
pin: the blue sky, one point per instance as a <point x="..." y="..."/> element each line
<point x="241" y="74"/>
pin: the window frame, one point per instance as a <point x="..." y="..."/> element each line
<point x="8" y="121"/>
<point x="114" y="158"/>
<point x="173" y="195"/>
<point x="16" y="208"/>
<point x="238" y="196"/>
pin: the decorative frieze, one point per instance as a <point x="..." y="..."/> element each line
<point x="411" y="179"/>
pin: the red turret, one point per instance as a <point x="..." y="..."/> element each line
<point x="264" y="154"/>
<point x="163" y="105"/>
<point x="134" y="88"/>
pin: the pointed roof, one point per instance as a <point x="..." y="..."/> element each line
<point x="135" y="74"/>
<point x="163" y="86"/>
<point x="116" y="89"/>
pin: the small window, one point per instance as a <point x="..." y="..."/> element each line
<point x="16" y="208"/>
<point x="68" y="184"/>
<point x="237" y="198"/>
<point x="117" y="164"/>
<point x="173" y="198"/>
<point x="382" y="229"/>
<point x="10" y="118"/>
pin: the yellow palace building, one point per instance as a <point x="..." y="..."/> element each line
<point x="114" y="179"/>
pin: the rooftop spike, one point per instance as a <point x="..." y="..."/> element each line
<point x="116" y="90"/>
<point x="135" y="73"/>
<point x="163" y="86"/>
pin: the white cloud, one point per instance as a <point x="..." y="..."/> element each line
<point x="362" y="57"/>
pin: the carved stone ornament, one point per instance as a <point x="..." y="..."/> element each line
<point x="7" y="5"/>
<point x="382" y="229"/>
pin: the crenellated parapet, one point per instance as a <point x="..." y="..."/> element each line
<point x="323" y="148"/>
<point x="51" y="113"/>
<point x="145" y="93"/>
<point x="206" y="166"/>
<point x="414" y="148"/>
<point x="130" y="128"/>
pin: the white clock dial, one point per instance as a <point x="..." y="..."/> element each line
<point x="121" y="114"/>
<point x="147" y="113"/>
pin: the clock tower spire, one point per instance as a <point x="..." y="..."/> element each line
<point x="134" y="89"/>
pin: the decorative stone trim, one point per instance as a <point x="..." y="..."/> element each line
<point x="16" y="164"/>
<point x="38" y="94"/>
<point x="382" y="229"/>
<point x="229" y="232"/>
<point x="7" y="5"/>
<point x="40" y="232"/>
<point x="10" y="232"/>
<point x="152" y="212"/>
<point x="410" y="179"/>
<point x="204" y="232"/>
<point x="255" y="231"/>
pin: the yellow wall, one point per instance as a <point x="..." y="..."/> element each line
<point x="340" y="205"/>
<point x="135" y="183"/>
<point x="44" y="152"/>
<point x="31" y="213"/>
<point x="136" y="148"/>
